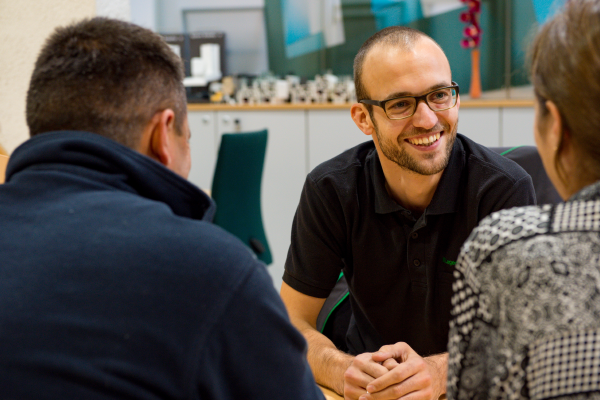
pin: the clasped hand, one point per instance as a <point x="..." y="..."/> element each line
<point x="393" y="372"/>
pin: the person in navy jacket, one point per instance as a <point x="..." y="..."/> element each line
<point x="114" y="283"/>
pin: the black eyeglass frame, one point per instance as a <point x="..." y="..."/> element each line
<point x="417" y="100"/>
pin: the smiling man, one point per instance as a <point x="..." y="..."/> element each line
<point x="392" y="214"/>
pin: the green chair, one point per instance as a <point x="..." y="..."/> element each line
<point x="236" y="189"/>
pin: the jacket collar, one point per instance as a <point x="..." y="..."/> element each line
<point x="120" y="167"/>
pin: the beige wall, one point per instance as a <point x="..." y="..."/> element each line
<point x="24" y="25"/>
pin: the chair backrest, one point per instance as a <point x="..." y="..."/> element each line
<point x="336" y="309"/>
<point x="236" y="189"/>
<point x="529" y="159"/>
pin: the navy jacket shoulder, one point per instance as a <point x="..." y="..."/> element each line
<point x="116" y="284"/>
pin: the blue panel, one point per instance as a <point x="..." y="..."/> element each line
<point x="545" y="9"/>
<point x="303" y="46"/>
<point x="396" y="12"/>
<point x="295" y="20"/>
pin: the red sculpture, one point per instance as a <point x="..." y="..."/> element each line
<point x="471" y="41"/>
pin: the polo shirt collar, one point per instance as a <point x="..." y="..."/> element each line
<point x="445" y="198"/>
<point x="384" y="204"/>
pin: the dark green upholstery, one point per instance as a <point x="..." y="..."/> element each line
<point x="236" y="189"/>
<point x="529" y="159"/>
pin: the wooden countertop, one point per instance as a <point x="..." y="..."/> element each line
<point x="330" y="394"/>
<point x="465" y="103"/>
<point x="3" y="162"/>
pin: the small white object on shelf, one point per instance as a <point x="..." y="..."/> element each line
<point x="206" y="68"/>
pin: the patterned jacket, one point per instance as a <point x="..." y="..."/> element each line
<point x="526" y="305"/>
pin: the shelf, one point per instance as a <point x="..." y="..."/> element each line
<point x="519" y="97"/>
<point x="465" y="103"/>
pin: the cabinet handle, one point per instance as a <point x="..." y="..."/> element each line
<point x="206" y="119"/>
<point x="226" y="119"/>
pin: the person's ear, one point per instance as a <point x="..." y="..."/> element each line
<point x="555" y="129"/>
<point x="362" y="118"/>
<point x="561" y="142"/>
<point x="157" y="140"/>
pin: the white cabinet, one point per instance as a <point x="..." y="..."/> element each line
<point x="283" y="175"/>
<point x="300" y="139"/>
<point x="330" y="132"/>
<point x="498" y="126"/>
<point x="480" y="125"/>
<point x="202" y="147"/>
<point x="517" y="126"/>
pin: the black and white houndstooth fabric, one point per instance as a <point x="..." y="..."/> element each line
<point x="564" y="364"/>
<point x="524" y="275"/>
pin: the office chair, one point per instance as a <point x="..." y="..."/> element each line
<point x="529" y="159"/>
<point x="236" y="189"/>
<point x="334" y="318"/>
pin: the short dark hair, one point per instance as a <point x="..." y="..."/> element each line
<point x="565" y="66"/>
<point x="107" y="77"/>
<point x="400" y="36"/>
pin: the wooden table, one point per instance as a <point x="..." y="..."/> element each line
<point x="3" y="162"/>
<point x="330" y="394"/>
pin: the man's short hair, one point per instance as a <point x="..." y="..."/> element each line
<point x="402" y="37"/>
<point x="107" y="77"/>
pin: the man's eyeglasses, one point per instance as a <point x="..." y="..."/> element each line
<point x="403" y="107"/>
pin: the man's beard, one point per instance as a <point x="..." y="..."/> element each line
<point x="397" y="153"/>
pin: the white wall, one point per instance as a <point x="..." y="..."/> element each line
<point x="242" y="21"/>
<point x="143" y="13"/>
<point x="24" y="26"/>
<point x="118" y="9"/>
<point x="435" y="7"/>
<point x="169" y="11"/>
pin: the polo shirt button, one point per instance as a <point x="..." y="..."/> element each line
<point x="417" y="262"/>
<point x="414" y="235"/>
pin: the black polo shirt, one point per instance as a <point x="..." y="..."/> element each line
<point x="398" y="266"/>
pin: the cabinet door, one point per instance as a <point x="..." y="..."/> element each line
<point x="283" y="174"/>
<point x="517" y="126"/>
<point x="202" y="147"/>
<point x="330" y="132"/>
<point x="480" y="125"/>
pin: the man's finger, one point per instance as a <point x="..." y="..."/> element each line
<point x="415" y="395"/>
<point x="356" y="382"/>
<point x="353" y="393"/>
<point x="361" y="372"/>
<point x="390" y="364"/>
<point x="416" y="386"/>
<point x="366" y="364"/>
<point x="354" y="377"/>
<point x="399" y="351"/>
<point x="397" y="375"/>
